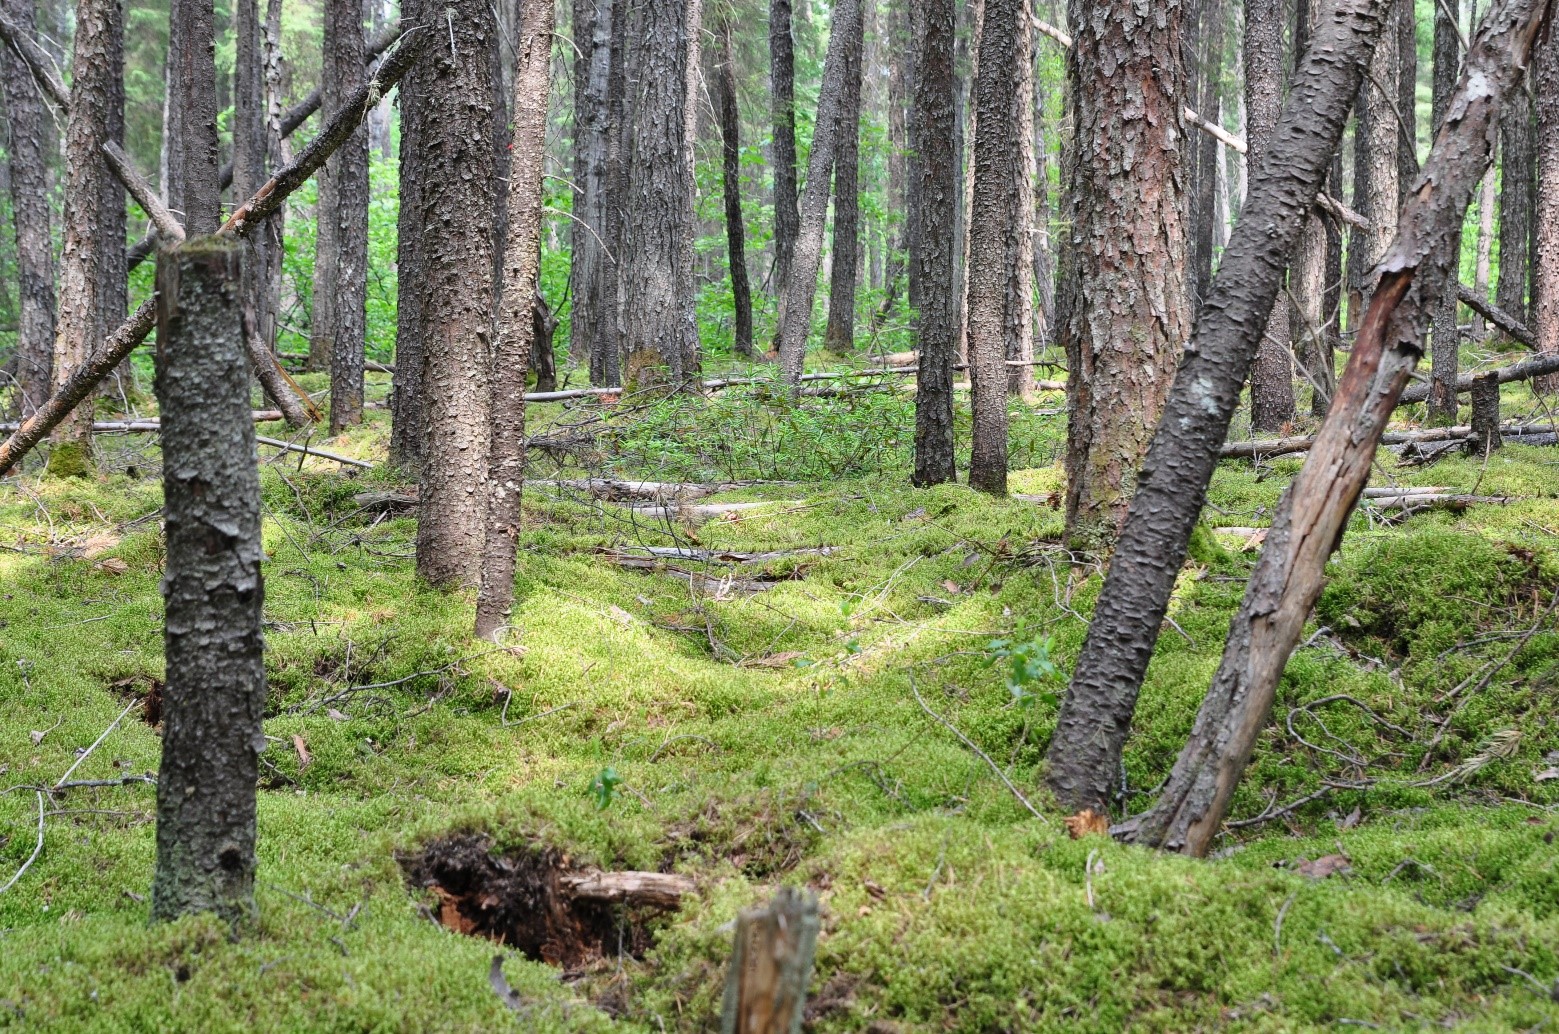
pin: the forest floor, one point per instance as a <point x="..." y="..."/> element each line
<point x="754" y="722"/>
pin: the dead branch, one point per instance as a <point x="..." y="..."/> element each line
<point x="1512" y="327"/>
<point x="1525" y="370"/>
<point x="651" y="889"/>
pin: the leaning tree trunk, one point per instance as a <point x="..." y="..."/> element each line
<point x="1444" y="360"/>
<point x="408" y="432"/>
<point x="1516" y="202"/>
<point x="1001" y="269"/>
<point x="782" y="98"/>
<point x="844" y="35"/>
<point x="935" y="332"/>
<point x="455" y="186"/>
<point x="1272" y="376"/>
<point x="28" y="150"/>
<point x="515" y="328"/>
<point x="214" y="700"/>
<point x="839" y="338"/>
<point x="1096" y="713"/>
<point x="1126" y="311"/>
<point x="1545" y="272"/>
<point x="592" y="67"/>
<point x="344" y="73"/>
<point x="1313" y="513"/>
<point x="731" y="185"/>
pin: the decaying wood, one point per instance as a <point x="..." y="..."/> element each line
<point x="1313" y="513"/>
<point x="1512" y="327"/>
<point x="662" y="491"/>
<point x="651" y="889"/>
<point x="142" y="425"/>
<point x="1526" y="370"/>
<point x="766" y="987"/>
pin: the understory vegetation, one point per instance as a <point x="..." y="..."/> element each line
<point x="786" y="702"/>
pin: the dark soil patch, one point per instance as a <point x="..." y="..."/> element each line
<point x="149" y="689"/>
<point x="760" y="835"/>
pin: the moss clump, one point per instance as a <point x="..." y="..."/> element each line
<point x="71" y="459"/>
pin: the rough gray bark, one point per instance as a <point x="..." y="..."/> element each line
<point x="940" y="199"/>
<point x="1383" y="201"/>
<point x="515" y="328"/>
<point x="1307" y="278"/>
<point x="1517" y="200"/>
<point x="1312" y="515"/>
<point x="1545" y="267"/>
<point x="454" y="131"/>
<point x="839" y="337"/>
<point x="344" y="75"/>
<point x="587" y="256"/>
<point x="1096" y="713"/>
<point x="407" y="429"/>
<point x="1001" y="268"/>
<point x="606" y="348"/>
<point x="1125" y="314"/>
<point x="1272" y="376"/>
<point x="801" y="291"/>
<point x="214" y="699"/>
<point x="731" y="184"/>
<point x="28" y="149"/>
<point x="1207" y="45"/>
<point x="192" y="158"/>
<point x="1444" y="360"/>
<point x="1407" y="92"/>
<point x="782" y="98"/>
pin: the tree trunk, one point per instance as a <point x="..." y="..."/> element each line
<point x="1312" y="515"/>
<point x="1407" y="92"/>
<point x="1126" y="314"/>
<point x="731" y="183"/>
<point x="843" y="37"/>
<point x="1445" y="359"/>
<point x="193" y="159"/>
<point x="250" y="145"/>
<point x="28" y="150"/>
<point x="1000" y="264"/>
<point x="1096" y="713"/>
<point x="1333" y="305"/>
<point x="213" y="592"/>
<point x="1545" y="271"/>
<point x="344" y="72"/>
<point x="1383" y="200"/>
<point x="1208" y="158"/>
<point x="935" y="98"/>
<point x="1516" y="202"/>
<point x="587" y="257"/>
<point x="454" y="131"/>
<point x="515" y="330"/>
<point x="1485" y="253"/>
<point x="1044" y="263"/>
<point x="969" y="127"/>
<point x="782" y="94"/>
<point x="840" y="335"/>
<point x="606" y="348"/>
<point x="1272" y="376"/>
<point x="898" y="46"/>
<point x="660" y="330"/>
<point x="1307" y="278"/>
<point x="408" y="429"/>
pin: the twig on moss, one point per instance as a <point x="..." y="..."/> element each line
<point x="966" y="741"/>
<point x="36" y="851"/>
<point x="97" y="742"/>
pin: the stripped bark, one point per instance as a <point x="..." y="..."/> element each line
<point x="1096" y="713"/>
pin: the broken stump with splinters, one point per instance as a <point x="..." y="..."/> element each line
<point x="1485" y="414"/>
<point x="766" y="987"/>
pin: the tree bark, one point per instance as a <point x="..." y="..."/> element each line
<point x="801" y="291"/>
<point x="214" y="700"/>
<point x="731" y="184"/>
<point x="1096" y="712"/>
<point x="1307" y="277"/>
<point x="1383" y="200"/>
<point x="1545" y="270"/>
<point x="192" y="159"/>
<point x="251" y="143"/>
<point x="1444" y="359"/>
<point x="839" y="337"/>
<point x="782" y="94"/>
<point x="454" y="131"/>
<point x="1516" y="203"/>
<point x="936" y="332"/>
<point x="1485" y="252"/>
<point x="1126" y="313"/>
<point x="515" y="330"/>
<point x="587" y="256"/>
<point x="1272" y="376"/>
<point x="344" y="74"/>
<point x="1207" y="158"/>
<point x="28" y="152"/>
<point x="606" y="349"/>
<point x="1312" y="515"/>
<point x="1000" y="263"/>
<point x="408" y="430"/>
<point x="1407" y="92"/>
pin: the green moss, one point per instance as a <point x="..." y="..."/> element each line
<point x="71" y="459"/>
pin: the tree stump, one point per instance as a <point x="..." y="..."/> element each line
<point x="766" y="987"/>
<point x="1485" y="413"/>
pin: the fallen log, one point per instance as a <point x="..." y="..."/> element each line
<point x="1264" y="448"/>
<point x="613" y="489"/>
<point x="142" y="425"/>
<point x="368" y="364"/>
<point x="263" y="204"/>
<point x="1525" y="370"/>
<point x="307" y="450"/>
<point x="649" y="889"/>
<point x="1428" y="500"/>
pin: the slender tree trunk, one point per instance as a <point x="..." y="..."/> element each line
<point x="969" y="124"/>
<point x="455" y="186"/>
<point x="1096" y="713"/>
<point x="1407" y="93"/>
<point x="1272" y="376"/>
<point x="1485" y="253"/>
<point x="899" y="43"/>
<point x="660" y="332"/>
<point x="914" y="222"/>
<point x="213" y="591"/>
<point x="515" y="331"/>
<point x="782" y="93"/>
<point x="28" y="150"/>
<point x="606" y="349"/>
<point x="587" y="257"/>
<point x="1127" y="313"/>
<point x="731" y="182"/>
<point x="1444" y="358"/>
<point x="326" y="275"/>
<point x="344" y="73"/>
<point x="250" y="144"/>
<point x="844" y="35"/>
<point x="968" y="29"/>
<point x="1307" y="278"/>
<point x="1333" y="305"/>
<point x="1208" y="159"/>
<point x="1545" y="271"/>
<point x="278" y="153"/>
<point x="1000" y="266"/>
<point x="408" y="428"/>
<point x="1311" y="517"/>
<point x="936" y="91"/>
<point x="1516" y="201"/>
<point x="194" y="164"/>
<point x="1044" y="264"/>
<point x="840" y="335"/>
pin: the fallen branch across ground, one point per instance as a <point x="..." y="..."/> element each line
<point x="1525" y="370"/>
<point x="143" y="425"/>
<point x="1267" y="447"/>
<point x="277" y="443"/>
<point x="1508" y="324"/>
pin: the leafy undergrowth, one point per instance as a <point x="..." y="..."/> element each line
<point x="763" y="728"/>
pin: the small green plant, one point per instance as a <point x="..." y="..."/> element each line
<point x="1029" y="669"/>
<point x="604" y="787"/>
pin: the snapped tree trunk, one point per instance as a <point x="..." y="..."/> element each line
<point x="782" y="98"/>
<point x="1312" y="515"/>
<point x="731" y="184"/>
<point x="1126" y="314"/>
<point x="344" y="74"/>
<point x="801" y="292"/>
<point x="940" y="199"/>
<point x="1545" y="270"/>
<point x="1444" y="359"/>
<point x="839" y="337"/>
<point x="1097" y="710"/>
<point x="515" y="329"/>
<point x="1000" y="263"/>
<point x="454" y="131"/>
<point x="214" y="700"/>
<point x="1272" y="376"/>
<point x="587" y="255"/>
<point x="28" y="150"/>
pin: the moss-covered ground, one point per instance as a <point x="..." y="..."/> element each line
<point x="644" y="719"/>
